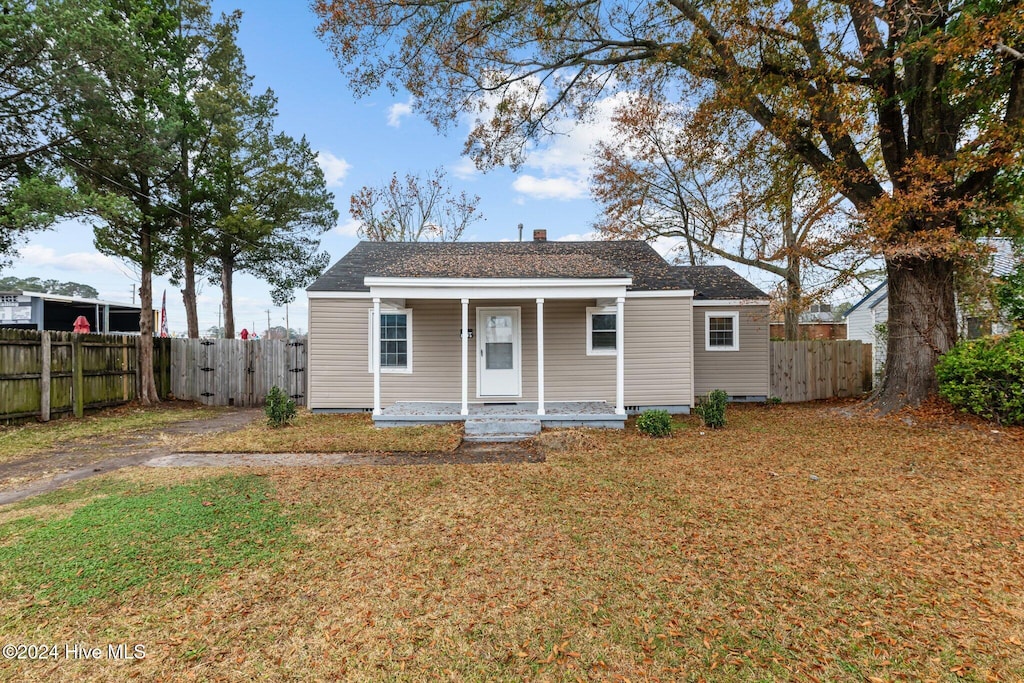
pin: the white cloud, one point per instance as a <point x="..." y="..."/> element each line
<point x="335" y="168"/>
<point x="579" y="237"/>
<point x="571" y="150"/>
<point x="567" y="154"/>
<point x="349" y="228"/>
<point x="81" y="262"/>
<point x="398" y="111"/>
<point x="668" y="247"/>
<point x="464" y="169"/>
<point x="563" y="188"/>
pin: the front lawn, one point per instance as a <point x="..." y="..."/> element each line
<point x="796" y="544"/>
<point x="20" y="440"/>
<point x="332" y="433"/>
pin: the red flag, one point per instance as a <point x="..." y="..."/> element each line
<point x="163" y="316"/>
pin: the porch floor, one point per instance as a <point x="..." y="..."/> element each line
<point x="556" y="413"/>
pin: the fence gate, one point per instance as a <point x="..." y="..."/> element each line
<point x="297" y="371"/>
<point x="236" y="372"/>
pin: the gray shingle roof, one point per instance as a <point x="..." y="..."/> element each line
<point x="487" y="265"/>
<point x="719" y="282"/>
<point x="527" y="260"/>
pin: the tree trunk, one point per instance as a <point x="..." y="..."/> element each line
<point x="793" y="294"/>
<point x="147" y="382"/>
<point x="188" y="294"/>
<point x="921" y="327"/>
<point x="226" y="274"/>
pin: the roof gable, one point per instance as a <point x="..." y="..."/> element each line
<point x="881" y="291"/>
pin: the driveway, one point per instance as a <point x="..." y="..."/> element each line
<point x="46" y="471"/>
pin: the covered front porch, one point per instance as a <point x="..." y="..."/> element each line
<point x="499" y="356"/>
<point x="556" y="413"/>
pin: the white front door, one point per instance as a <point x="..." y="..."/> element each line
<point x="498" y="352"/>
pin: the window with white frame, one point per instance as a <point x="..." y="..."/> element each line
<point x="601" y="331"/>
<point x="722" y="331"/>
<point x="395" y="340"/>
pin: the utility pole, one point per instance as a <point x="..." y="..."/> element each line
<point x="220" y="330"/>
<point x="287" y="328"/>
<point x="268" y="321"/>
<point x="133" y="294"/>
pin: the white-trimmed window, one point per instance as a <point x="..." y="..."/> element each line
<point x="395" y="340"/>
<point x="601" y="332"/>
<point x="722" y="330"/>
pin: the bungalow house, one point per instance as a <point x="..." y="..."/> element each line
<point x="558" y="332"/>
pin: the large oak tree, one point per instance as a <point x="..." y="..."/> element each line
<point x="909" y="108"/>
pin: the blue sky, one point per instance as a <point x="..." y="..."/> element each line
<point x="361" y="142"/>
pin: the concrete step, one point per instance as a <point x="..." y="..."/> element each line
<point x="497" y="438"/>
<point x="491" y="426"/>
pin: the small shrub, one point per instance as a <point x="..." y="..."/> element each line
<point x="712" y="409"/>
<point x="655" y="423"/>
<point x="985" y="377"/>
<point x="280" y="409"/>
<point x="772" y="401"/>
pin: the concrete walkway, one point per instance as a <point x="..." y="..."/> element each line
<point x="466" y="454"/>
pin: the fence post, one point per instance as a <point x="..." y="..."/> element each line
<point x="78" y="375"/>
<point x="44" y="379"/>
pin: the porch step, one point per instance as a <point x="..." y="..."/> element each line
<point x="500" y="429"/>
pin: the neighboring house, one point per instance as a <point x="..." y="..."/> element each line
<point x="57" y="313"/>
<point x="567" y="332"/>
<point x="867" y="319"/>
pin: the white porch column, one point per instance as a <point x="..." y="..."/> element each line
<point x="620" y="368"/>
<point x="540" y="356"/>
<point x="375" y="340"/>
<point x="465" y="357"/>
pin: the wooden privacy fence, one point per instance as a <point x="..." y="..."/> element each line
<point x="236" y="372"/>
<point x="48" y="373"/>
<point x="810" y="370"/>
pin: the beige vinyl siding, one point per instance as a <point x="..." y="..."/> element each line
<point x="337" y="373"/>
<point x="658" y="359"/>
<point x="657" y="364"/>
<point x="739" y="373"/>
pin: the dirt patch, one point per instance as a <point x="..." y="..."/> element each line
<point x="49" y="470"/>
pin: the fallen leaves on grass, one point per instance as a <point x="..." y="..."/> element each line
<point x="332" y="433"/>
<point x="621" y="557"/>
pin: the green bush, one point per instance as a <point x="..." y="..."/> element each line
<point x="655" y="423"/>
<point x="986" y="377"/>
<point x="280" y="409"/>
<point x="712" y="409"/>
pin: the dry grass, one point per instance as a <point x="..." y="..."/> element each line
<point x="36" y="437"/>
<point x="709" y="556"/>
<point x="332" y="433"/>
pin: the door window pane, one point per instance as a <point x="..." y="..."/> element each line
<point x="498" y="355"/>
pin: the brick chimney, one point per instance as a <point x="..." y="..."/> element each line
<point x="540" y="235"/>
